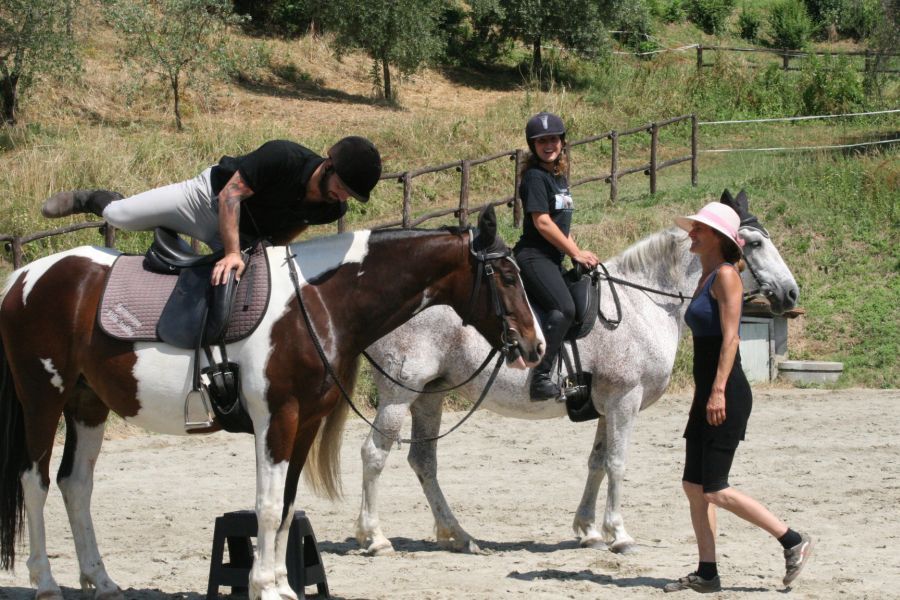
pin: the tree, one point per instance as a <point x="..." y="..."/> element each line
<point x="576" y="24"/>
<point x="33" y="39"/>
<point x="172" y="39"/>
<point x="399" y="33"/>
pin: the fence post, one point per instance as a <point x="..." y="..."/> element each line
<point x="407" y="199"/>
<point x="517" y="179"/>
<point x="654" y="147"/>
<point x="341" y="226"/>
<point x="614" y="166"/>
<point x="109" y="235"/>
<point x="785" y="60"/>
<point x="694" y="128"/>
<point x="17" y="254"/>
<point x="464" y="194"/>
<point x="699" y="57"/>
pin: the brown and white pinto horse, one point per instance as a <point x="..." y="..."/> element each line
<point x="357" y="287"/>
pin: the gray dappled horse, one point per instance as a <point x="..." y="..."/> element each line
<point x="631" y="367"/>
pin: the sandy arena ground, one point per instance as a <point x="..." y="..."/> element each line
<point x="826" y="461"/>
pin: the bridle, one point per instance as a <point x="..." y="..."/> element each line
<point x="751" y="222"/>
<point x="484" y="268"/>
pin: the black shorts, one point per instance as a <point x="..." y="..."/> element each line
<point x="707" y="463"/>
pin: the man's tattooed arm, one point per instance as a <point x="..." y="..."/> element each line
<point x="230" y="199"/>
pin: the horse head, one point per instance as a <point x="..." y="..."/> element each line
<point x="766" y="273"/>
<point x="498" y="307"/>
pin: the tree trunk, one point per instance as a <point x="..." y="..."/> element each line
<point x="386" y="69"/>
<point x="536" y="61"/>
<point x="9" y="98"/>
<point x="175" y="90"/>
<point x="69" y="15"/>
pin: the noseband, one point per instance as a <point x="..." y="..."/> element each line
<point x="485" y="269"/>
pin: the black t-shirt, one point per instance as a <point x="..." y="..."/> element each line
<point x="277" y="172"/>
<point x="542" y="192"/>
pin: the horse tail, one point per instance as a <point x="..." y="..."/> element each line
<point x="13" y="462"/>
<point x="324" y="460"/>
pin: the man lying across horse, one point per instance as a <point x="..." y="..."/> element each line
<point x="274" y="192"/>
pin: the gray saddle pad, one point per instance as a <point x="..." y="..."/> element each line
<point x="134" y="298"/>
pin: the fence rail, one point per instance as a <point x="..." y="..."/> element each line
<point x="787" y="55"/>
<point x="15" y="244"/>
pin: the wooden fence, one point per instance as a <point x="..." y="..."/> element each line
<point x="15" y="244"/>
<point x="788" y="55"/>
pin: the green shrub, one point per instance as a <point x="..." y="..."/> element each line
<point x="859" y="18"/>
<point x="674" y="12"/>
<point x="824" y="12"/>
<point x="832" y="86"/>
<point x="790" y="23"/>
<point x="749" y="24"/>
<point x="710" y="15"/>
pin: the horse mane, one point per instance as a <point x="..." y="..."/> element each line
<point x="660" y="248"/>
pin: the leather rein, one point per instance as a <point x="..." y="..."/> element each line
<point x="750" y="222"/>
<point x="484" y="269"/>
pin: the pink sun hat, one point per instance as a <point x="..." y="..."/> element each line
<point x="720" y="217"/>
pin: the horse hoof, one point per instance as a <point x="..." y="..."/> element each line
<point x="594" y="544"/>
<point x="460" y="546"/>
<point x="379" y="550"/>
<point x="623" y="548"/>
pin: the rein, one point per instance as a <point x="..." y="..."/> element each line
<point x="484" y="268"/>
<point x="678" y="295"/>
<point x="615" y="294"/>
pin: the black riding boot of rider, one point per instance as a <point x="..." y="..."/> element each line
<point x="63" y="204"/>
<point x="542" y="387"/>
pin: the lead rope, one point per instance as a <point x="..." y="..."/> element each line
<point x="312" y="334"/>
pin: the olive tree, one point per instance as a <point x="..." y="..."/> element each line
<point x="399" y="33"/>
<point x="172" y="39"/>
<point x="33" y="39"/>
<point x="576" y="24"/>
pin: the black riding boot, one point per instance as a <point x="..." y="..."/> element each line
<point x="63" y="204"/>
<point x="542" y="387"/>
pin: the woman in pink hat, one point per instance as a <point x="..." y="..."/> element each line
<point x="722" y="400"/>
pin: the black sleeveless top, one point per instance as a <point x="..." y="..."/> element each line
<point x="703" y="318"/>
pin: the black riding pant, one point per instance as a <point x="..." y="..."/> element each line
<point x="549" y="294"/>
<point x="707" y="463"/>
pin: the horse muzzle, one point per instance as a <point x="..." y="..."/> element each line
<point x="518" y="355"/>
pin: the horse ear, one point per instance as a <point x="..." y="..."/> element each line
<point x="743" y="203"/>
<point x="487" y="226"/>
<point x="728" y="200"/>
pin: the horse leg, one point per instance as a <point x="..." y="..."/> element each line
<point x="620" y="419"/>
<point x="85" y="423"/>
<point x="41" y="393"/>
<point x="585" y="525"/>
<point x="426" y="422"/>
<point x="281" y="452"/>
<point x="375" y="451"/>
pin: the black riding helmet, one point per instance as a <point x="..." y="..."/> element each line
<point x="541" y="124"/>
<point x="357" y="162"/>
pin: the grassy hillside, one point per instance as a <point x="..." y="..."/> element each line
<point x="834" y="215"/>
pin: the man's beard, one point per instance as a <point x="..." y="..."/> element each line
<point x="323" y="183"/>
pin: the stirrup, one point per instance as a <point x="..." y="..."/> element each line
<point x="190" y="407"/>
